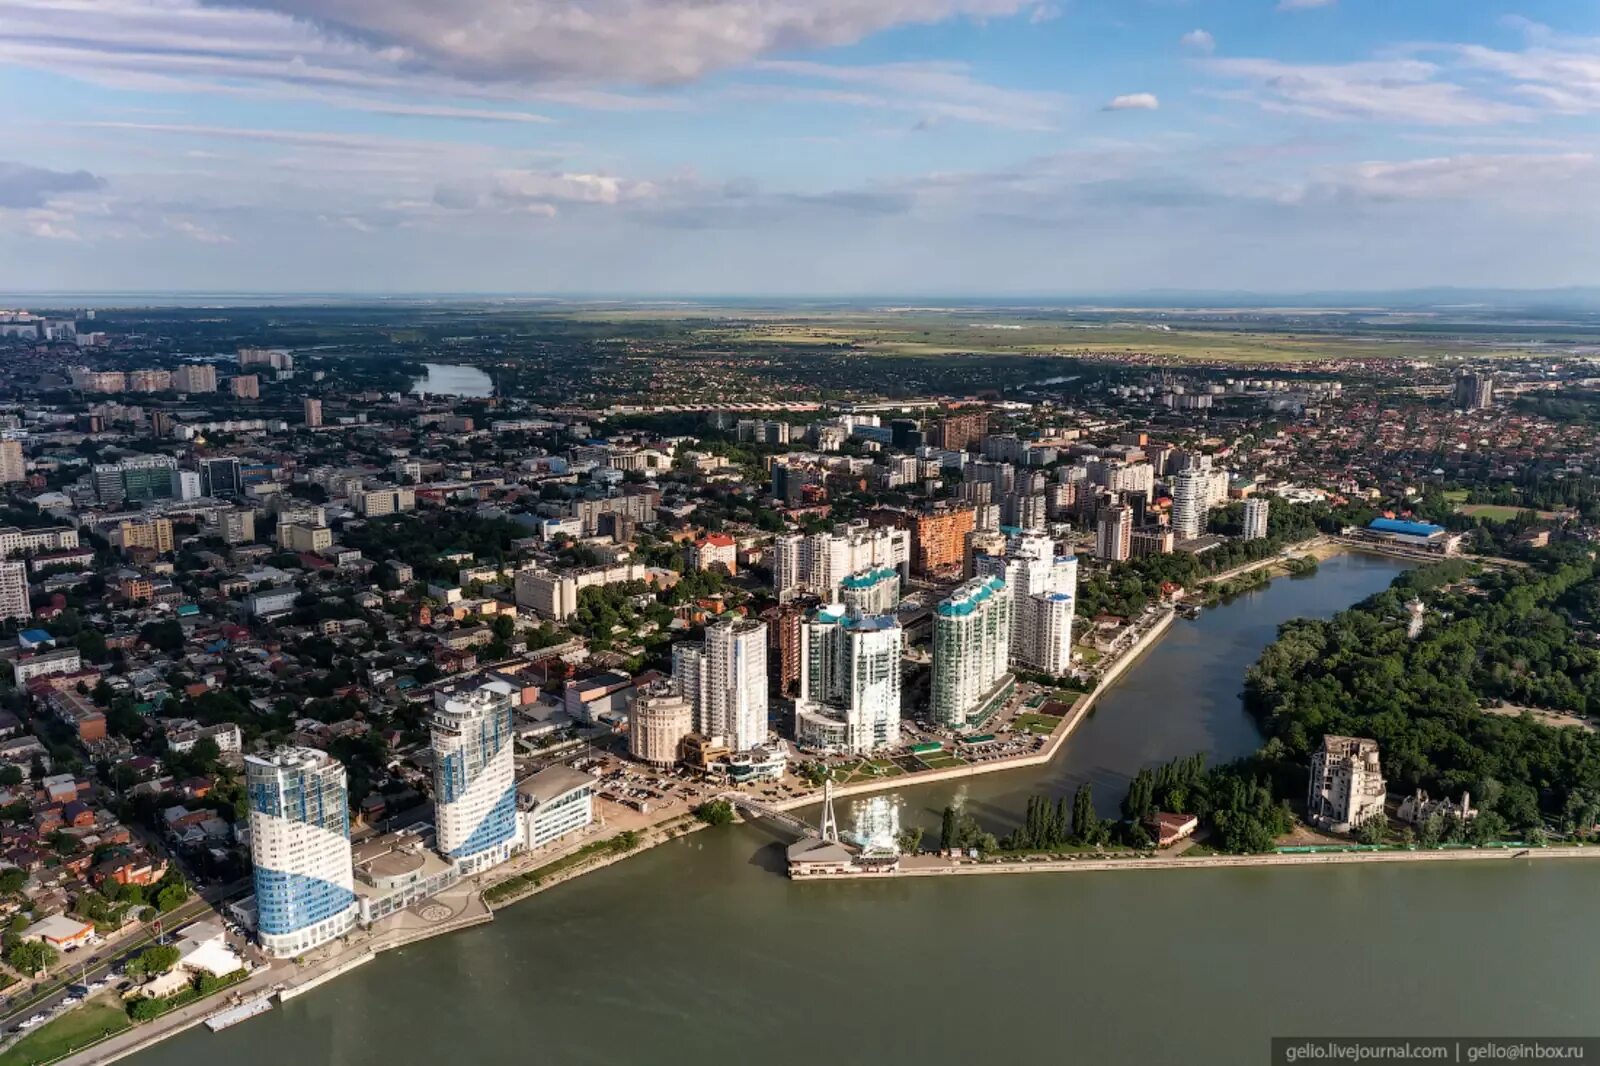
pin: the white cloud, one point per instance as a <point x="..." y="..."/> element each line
<point x="243" y="49"/>
<point x="934" y="91"/>
<point x="355" y="142"/>
<point x="1389" y="90"/>
<point x="1507" y="180"/>
<point x="194" y="231"/>
<point x="50" y="225"/>
<point x="520" y="187"/>
<point x="638" y="41"/>
<point x="1199" y="40"/>
<point x="1561" y="75"/>
<point x="1133" y="102"/>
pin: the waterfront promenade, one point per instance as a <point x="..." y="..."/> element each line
<point x="942" y="866"/>
<point x="1145" y="637"/>
<point x="654" y="829"/>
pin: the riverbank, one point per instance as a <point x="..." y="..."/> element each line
<point x="711" y="919"/>
<point x="469" y="906"/>
<point x="539" y="882"/>
<point x="940" y="866"/>
<point x="1319" y="548"/>
<point x="1115" y="668"/>
<point x="1052" y="746"/>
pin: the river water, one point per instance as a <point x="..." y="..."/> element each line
<point x="700" y="952"/>
<point x="445" y="379"/>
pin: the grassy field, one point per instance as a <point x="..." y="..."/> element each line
<point x="1494" y="512"/>
<point x="1040" y="724"/>
<point x="73" y="1030"/>
<point x="942" y="335"/>
<point x="1498" y="512"/>
<point x="1237" y="334"/>
<point x="940" y="762"/>
<point x="855" y="773"/>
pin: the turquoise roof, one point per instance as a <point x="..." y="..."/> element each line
<point x="872" y="622"/>
<point x="867" y="578"/>
<point x="970" y="597"/>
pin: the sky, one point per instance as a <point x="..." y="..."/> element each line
<point x="798" y="147"/>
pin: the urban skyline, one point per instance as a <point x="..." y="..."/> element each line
<point x="519" y="517"/>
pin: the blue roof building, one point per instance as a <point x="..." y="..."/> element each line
<point x="1396" y="527"/>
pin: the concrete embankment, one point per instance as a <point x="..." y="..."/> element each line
<point x="649" y="839"/>
<point x="1080" y="710"/>
<point x="932" y="866"/>
<point x="300" y="988"/>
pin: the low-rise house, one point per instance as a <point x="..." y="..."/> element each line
<point x="61" y="931"/>
<point x="128" y="869"/>
<point x="1168" y="828"/>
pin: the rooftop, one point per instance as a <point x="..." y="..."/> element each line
<point x="1409" y="529"/>
<point x="551" y="783"/>
<point x="970" y="596"/>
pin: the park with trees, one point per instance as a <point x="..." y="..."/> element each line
<point x="1497" y="640"/>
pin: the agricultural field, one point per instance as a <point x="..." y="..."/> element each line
<point x="948" y="335"/>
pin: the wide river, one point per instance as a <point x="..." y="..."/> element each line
<point x="700" y="952"/>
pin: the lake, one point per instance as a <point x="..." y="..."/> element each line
<point x="445" y="379"/>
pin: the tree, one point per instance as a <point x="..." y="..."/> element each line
<point x="715" y="812"/>
<point x="1431" y="832"/>
<point x="171" y="897"/>
<point x="205" y="754"/>
<point x="1085" y="823"/>
<point x="947" y="829"/>
<point x="1505" y="636"/>
<point x="1141" y="796"/>
<point x="31" y="956"/>
<point x="11" y="881"/>
<point x="154" y="960"/>
<point x="1374" y="830"/>
<point x="909" y="840"/>
<point x="144" y="1009"/>
<point x="163" y="636"/>
<point x="1487" y="827"/>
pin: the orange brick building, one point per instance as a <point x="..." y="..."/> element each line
<point x="938" y="535"/>
<point x="956" y="430"/>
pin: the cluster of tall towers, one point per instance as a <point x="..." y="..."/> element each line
<point x="300" y="818"/>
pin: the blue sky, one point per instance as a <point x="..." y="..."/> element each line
<point x="951" y="147"/>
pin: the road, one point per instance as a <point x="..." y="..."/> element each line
<point x="81" y="966"/>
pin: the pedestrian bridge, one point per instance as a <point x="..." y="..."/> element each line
<point x="754" y="808"/>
